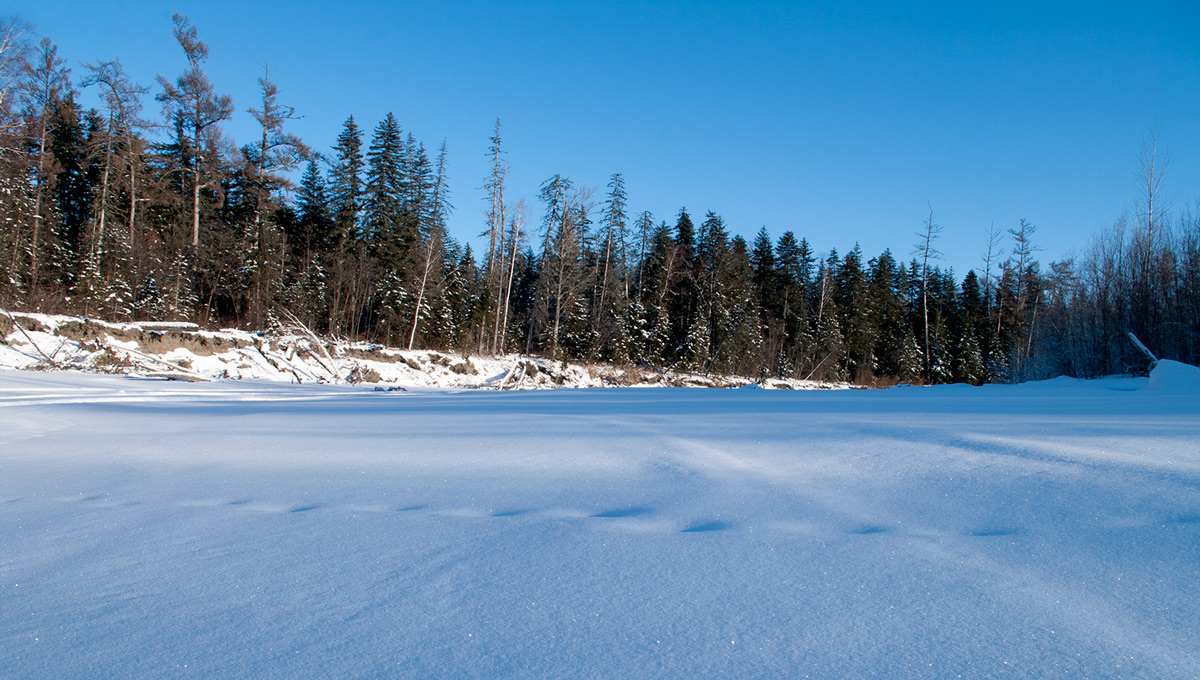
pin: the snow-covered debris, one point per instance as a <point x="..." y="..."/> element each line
<point x="182" y="350"/>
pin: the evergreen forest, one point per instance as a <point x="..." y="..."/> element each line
<point x="122" y="213"/>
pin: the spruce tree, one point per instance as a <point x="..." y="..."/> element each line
<point x="682" y="294"/>
<point x="887" y="313"/>
<point x="345" y="181"/>
<point x="645" y="231"/>
<point x="315" y="232"/>
<point x="790" y="295"/>
<point x="738" y="343"/>
<point x="653" y="292"/>
<point x="612" y="280"/>
<point x="856" y="316"/>
<point x="384" y="194"/>
<point x="762" y="259"/>
<point x="73" y="188"/>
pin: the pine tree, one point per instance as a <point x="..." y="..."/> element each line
<point x="269" y="160"/>
<point x="712" y="261"/>
<point x="738" y="345"/>
<point x="968" y="360"/>
<point x="194" y="104"/>
<point x="432" y="196"/>
<point x="496" y="221"/>
<point x="1027" y="296"/>
<point x="645" y="231"/>
<point x="912" y="360"/>
<point x="762" y="259"/>
<point x="976" y="314"/>
<point x="72" y="193"/>
<point x="307" y="295"/>
<point x="351" y="270"/>
<point x="941" y="359"/>
<point x="792" y="296"/>
<point x="565" y="231"/>
<point x="695" y="350"/>
<point x="652" y="293"/>
<point x="885" y="293"/>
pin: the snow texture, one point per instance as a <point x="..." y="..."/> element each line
<point x="255" y="529"/>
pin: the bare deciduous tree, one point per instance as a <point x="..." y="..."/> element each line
<point x="15" y="48"/>
<point x="122" y="99"/>
<point x="46" y="80"/>
<point x="925" y="250"/>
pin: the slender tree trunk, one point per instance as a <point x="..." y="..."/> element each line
<point x="37" y="210"/>
<point x="1032" y="326"/>
<point x="499" y="277"/>
<point x="196" y="185"/>
<point x="558" y="304"/>
<point x="512" y="265"/>
<point x="421" y="293"/>
<point x="604" y="281"/>
<point x="196" y="208"/>
<point x="925" y="315"/>
<point x="132" y="201"/>
<point x="98" y="245"/>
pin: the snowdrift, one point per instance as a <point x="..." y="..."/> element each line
<point x="1175" y="376"/>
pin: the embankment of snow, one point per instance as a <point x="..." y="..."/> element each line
<point x="183" y="351"/>
<point x="1175" y="376"/>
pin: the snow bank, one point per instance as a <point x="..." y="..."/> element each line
<point x="1175" y="376"/>
<point x="182" y="351"/>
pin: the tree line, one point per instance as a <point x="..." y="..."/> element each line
<point x="110" y="212"/>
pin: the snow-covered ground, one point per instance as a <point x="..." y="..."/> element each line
<point x="253" y="529"/>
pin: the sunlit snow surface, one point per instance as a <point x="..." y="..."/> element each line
<point x="257" y="530"/>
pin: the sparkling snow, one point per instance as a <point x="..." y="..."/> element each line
<point x="262" y="530"/>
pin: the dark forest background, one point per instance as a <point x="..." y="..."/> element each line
<point x="125" y="215"/>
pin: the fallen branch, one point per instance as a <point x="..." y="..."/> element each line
<point x="818" y="366"/>
<point x="195" y="376"/>
<point x="1138" y="343"/>
<point x="49" y="359"/>
<point x="334" y="371"/>
<point x="274" y="362"/>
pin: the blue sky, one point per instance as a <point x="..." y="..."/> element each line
<point x="841" y="123"/>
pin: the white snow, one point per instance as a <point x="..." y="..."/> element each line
<point x="257" y="529"/>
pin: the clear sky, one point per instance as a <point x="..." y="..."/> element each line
<point x="843" y="122"/>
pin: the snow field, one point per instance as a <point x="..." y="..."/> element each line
<point x="252" y="529"/>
